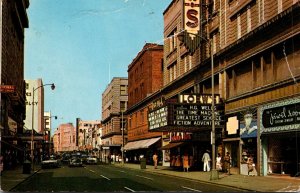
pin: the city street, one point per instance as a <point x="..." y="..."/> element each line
<point x="108" y="178"/>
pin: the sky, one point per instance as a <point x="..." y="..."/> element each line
<point x="80" y="45"/>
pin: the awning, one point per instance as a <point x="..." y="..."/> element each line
<point x="141" y="144"/>
<point x="171" y="145"/>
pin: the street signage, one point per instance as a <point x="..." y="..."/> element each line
<point x="7" y="88"/>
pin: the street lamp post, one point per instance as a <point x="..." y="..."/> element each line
<point x="192" y="45"/>
<point x="32" y="120"/>
<point x="122" y="138"/>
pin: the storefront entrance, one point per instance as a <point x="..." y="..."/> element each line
<point x="283" y="153"/>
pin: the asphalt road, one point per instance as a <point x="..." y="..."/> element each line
<point x="108" y="178"/>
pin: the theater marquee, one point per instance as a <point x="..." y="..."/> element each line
<point x="192" y="112"/>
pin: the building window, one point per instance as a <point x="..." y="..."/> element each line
<point x="248" y="19"/>
<point x="262" y="10"/>
<point x="142" y="116"/>
<point x="172" y="40"/>
<point x="123" y="90"/>
<point x="239" y="33"/>
<point x="123" y="106"/>
<point x="214" y="43"/>
<point x="170" y="74"/>
<point x="279" y="6"/>
<point x="175" y="71"/>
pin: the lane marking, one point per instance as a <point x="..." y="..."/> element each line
<point x="121" y="171"/>
<point x="190" y="189"/>
<point x="104" y="177"/>
<point x="144" y="177"/>
<point x="92" y="171"/>
<point x="129" y="189"/>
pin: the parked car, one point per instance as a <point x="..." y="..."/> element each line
<point x="75" y="162"/>
<point x="84" y="158"/>
<point x="52" y="162"/>
<point x="66" y="158"/>
<point x="91" y="160"/>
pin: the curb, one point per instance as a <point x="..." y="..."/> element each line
<point x="202" y="181"/>
<point x="36" y="171"/>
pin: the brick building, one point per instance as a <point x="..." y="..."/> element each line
<point x="144" y="79"/>
<point x="114" y="104"/>
<point x="13" y="20"/>
<point x="255" y="48"/>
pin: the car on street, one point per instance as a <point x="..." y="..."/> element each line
<point x="75" y="162"/>
<point x="66" y="158"/>
<point x="52" y="162"/>
<point x="84" y="157"/>
<point x="91" y="160"/>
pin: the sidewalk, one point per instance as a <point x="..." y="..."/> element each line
<point x="248" y="183"/>
<point x="13" y="177"/>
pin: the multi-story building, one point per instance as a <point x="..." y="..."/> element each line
<point x="87" y="132"/>
<point x="255" y="66"/>
<point x="114" y="105"/>
<point x="36" y="107"/>
<point x="13" y="20"/>
<point x="48" y="144"/>
<point x="144" y="79"/>
<point x="64" y="138"/>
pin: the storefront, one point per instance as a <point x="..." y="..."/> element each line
<point x="241" y="142"/>
<point x="134" y="150"/>
<point x="280" y="137"/>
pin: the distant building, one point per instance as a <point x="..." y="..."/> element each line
<point x="87" y="134"/>
<point x="114" y="104"/>
<point x="64" y="138"/>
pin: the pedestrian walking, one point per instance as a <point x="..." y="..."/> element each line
<point x="218" y="162"/>
<point x="178" y="163"/>
<point x="185" y="161"/>
<point x="155" y="160"/>
<point x="206" y="159"/>
<point x="227" y="162"/>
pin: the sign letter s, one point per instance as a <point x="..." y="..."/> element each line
<point x="192" y="15"/>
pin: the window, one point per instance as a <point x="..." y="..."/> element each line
<point x="172" y="40"/>
<point x="279" y="6"/>
<point x="175" y="71"/>
<point x="214" y="43"/>
<point x="123" y="106"/>
<point x="170" y="74"/>
<point x="239" y="30"/>
<point x="123" y="90"/>
<point x="248" y="19"/>
<point x="142" y="116"/>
